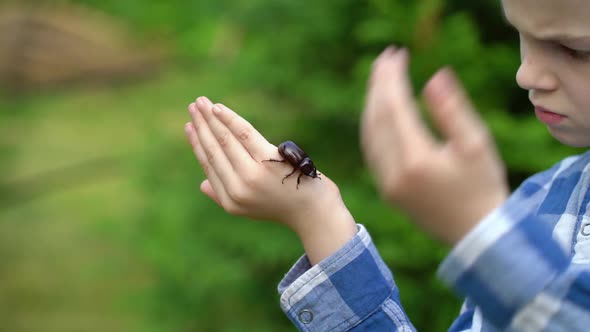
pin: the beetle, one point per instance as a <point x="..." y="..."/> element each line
<point x="295" y="156"/>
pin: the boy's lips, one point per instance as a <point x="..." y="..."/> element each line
<point x="548" y="117"/>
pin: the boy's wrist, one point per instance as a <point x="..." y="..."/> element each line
<point x="324" y="228"/>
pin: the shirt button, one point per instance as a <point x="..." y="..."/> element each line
<point x="586" y="230"/>
<point x="305" y="316"/>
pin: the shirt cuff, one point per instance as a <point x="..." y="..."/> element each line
<point x="340" y="291"/>
<point x="504" y="263"/>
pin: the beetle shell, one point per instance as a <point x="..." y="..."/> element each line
<point x="293" y="153"/>
<point x="298" y="158"/>
<point x="300" y="161"/>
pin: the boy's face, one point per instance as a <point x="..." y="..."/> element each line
<point x="555" y="69"/>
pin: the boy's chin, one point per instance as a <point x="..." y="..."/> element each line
<point x="571" y="139"/>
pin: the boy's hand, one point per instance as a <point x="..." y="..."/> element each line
<point x="231" y="153"/>
<point x="446" y="186"/>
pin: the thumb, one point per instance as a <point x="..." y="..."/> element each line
<point x="208" y="190"/>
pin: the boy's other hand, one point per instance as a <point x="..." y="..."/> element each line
<point x="446" y="185"/>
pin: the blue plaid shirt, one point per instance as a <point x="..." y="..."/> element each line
<point x="525" y="267"/>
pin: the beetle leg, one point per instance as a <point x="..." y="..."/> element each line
<point x="288" y="175"/>
<point x="298" y="180"/>
<point x="275" y="160"/>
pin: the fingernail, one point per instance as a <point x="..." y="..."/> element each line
<point x="449" y="75"/>
<point x="390" y="49"/>
<point x="191" y="108"/>
<point x="201" y="101"/>
<point x="216" y="109"/>
<point x="188" y="127"/>
<point x="443" y="83"/>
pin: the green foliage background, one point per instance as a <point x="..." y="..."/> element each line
<point x="297" y="70"/>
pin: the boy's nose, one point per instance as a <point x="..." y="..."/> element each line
<point x="535" y="72"/>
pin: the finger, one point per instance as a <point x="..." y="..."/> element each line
<point x="392" y="106"/>
<point x="379" y="147"/>
<point x="452" y="110"/>
<point x="256" y="145"/>
<point x="385" y="54"/>
<point x="214" y="154"/>
<point x="236" y="153"/>
<point x="213" y="179"/>
<point x="376" y="127"/>
<point x="376" y="131"/>
<point x="413" y="134"/>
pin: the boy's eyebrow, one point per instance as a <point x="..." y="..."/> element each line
<point x="556" y="37"/>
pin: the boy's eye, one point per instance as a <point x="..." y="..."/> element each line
<point x="578" y="55"/>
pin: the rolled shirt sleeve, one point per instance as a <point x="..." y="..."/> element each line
<point x="351" y="290"/>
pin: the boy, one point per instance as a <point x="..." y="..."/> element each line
<point x="523" y="262"/>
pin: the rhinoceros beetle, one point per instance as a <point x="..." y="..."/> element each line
<point x="295" y="156"/>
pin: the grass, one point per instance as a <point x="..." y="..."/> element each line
<point x="67" y="189"/>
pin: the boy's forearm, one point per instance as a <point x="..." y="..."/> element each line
<point x="325" y="230"/>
